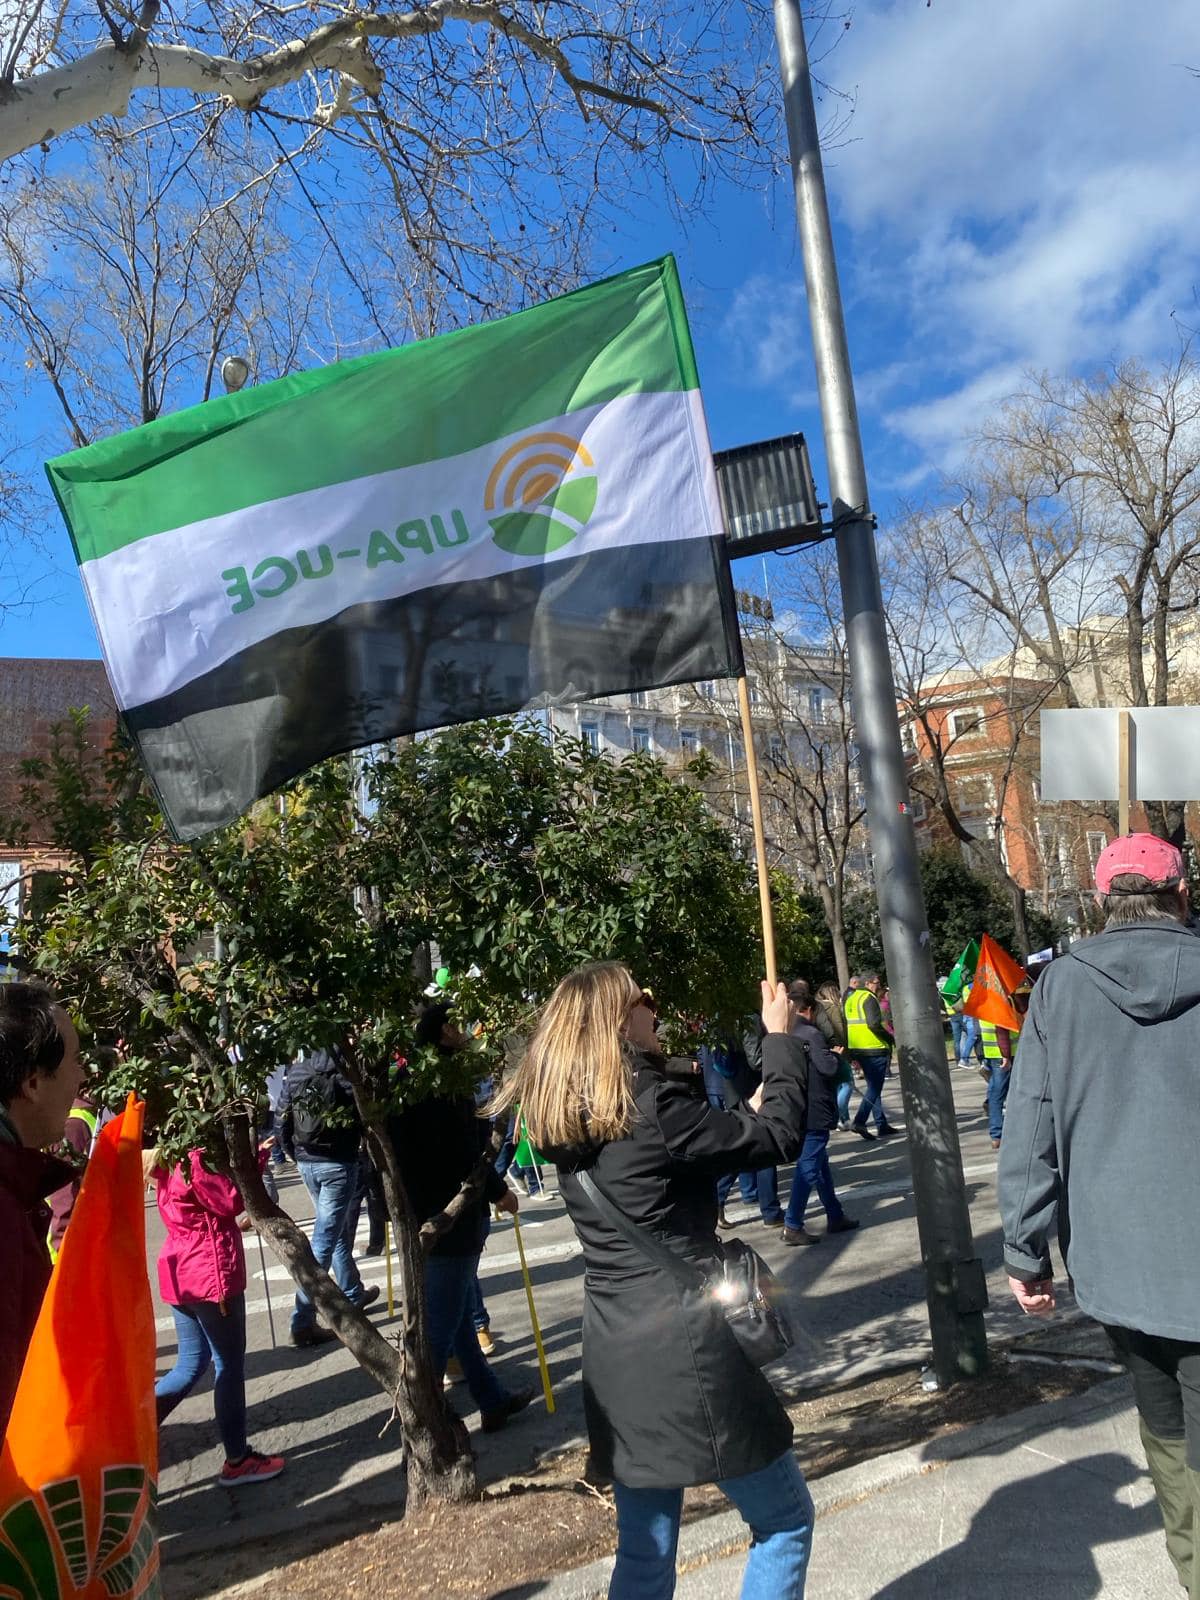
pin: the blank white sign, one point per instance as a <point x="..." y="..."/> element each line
<point x="1079" y="753"/>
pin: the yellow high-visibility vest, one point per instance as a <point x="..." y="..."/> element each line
<point x="91" y="1122"/>
<point x="859" y="1035"/>
<point x="991" y="1045"/>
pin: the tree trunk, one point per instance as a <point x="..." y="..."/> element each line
<point x="831" y="907"/>
<point x="441" y="1464"/>
<point x="1020" y="916"/>
<point x="287" y="1241"/>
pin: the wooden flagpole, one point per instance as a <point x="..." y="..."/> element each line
<point x="760" y="841"/>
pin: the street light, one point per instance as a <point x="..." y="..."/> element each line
<point x="768" y="496"/>
<point x="235" y="373"/>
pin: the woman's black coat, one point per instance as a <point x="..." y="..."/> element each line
<point x="670" y="1398"/>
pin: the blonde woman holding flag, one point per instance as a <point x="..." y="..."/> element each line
<point x="671" y="1398"/>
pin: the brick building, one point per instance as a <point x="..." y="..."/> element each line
<point x="34" y="696"/>
<point x="984" y="735"/>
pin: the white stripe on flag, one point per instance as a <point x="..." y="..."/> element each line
<point x="165" y="611"/>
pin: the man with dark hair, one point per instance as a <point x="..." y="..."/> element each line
<point x="812" y="1164"/>
<point x="40" y="1076"/>
<point x="869" y="1044"/>
<point x="1102" y="1130"/>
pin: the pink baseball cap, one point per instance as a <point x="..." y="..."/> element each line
<point x="1150" y="857"/>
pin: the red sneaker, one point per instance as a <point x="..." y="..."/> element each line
<point x="252" y="1468"/>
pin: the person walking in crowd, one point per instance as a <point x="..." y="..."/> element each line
<point x="812" y="1165"/>
<point x="831" y="1019"/>
<point x="322" y="1133"/>
<point x="1107" y="1083"/>
<point x="438" y="1147"/>
<point x="732" y="1073"/>
<point x="202" y="1277"/>
<point x="999" y="1046"/>
<point x="869" y="1043"/>
<point x="970" y="1038"/>
<point x="528" y="1180"/>
<point x="41" y="1075"/>
<point x="79" y="1135"/>
<point x="368" y="1190"/>
<point x="670" y="1398"/>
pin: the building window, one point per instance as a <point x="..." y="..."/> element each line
<point x="752" y="690"/>
<point x="908" y="738"/>
<point x="967" y="723"/>
<point x="689" y="742"/>
<point x="589" y="732"/>
<point x="1096" y="843"/>
<point x="917" y="808"/>
<point x="639" y="740"/>
<point x="975" y="797"/>
<point x="816" y="706"/>
<point x="706" y="689"/>
<point x="775" y="749"/>
<point x="638" y="699"/>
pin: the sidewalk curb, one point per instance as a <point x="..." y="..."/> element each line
<point x="725" y="1533"/>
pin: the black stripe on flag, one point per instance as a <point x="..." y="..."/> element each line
<point x="641" y="617"/>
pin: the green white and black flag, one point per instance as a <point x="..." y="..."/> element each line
<point x="511" y="515"/>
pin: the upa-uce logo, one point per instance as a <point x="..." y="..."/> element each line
<point x="540" y="494"/>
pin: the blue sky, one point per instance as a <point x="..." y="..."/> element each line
<point x="1018" y="189"/>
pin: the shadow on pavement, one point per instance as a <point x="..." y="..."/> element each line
<point x="1036" y="1535"/>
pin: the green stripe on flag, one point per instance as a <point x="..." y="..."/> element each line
<point x="441" y="397"/>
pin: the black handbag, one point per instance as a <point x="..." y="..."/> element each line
<point x="743" y="1286"/>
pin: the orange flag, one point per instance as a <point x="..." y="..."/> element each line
<point x="79" y="1469"/>
<point x="997" y="976"/>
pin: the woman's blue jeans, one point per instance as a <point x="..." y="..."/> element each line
<point x="778" y="1510"/>
<point x="209" y="1332"/>
<point x="844" y="1091"/>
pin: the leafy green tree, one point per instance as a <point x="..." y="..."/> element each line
<point x="519" y="856"/>
<point x="960" y="904"/>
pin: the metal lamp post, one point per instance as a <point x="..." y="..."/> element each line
<point x="956" y="1291"/>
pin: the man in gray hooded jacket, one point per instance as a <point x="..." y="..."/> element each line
<point x="1102" y="1137"/>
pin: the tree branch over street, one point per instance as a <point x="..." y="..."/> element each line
<point x="629" y="73"/>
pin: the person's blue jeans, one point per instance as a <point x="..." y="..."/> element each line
<point x="210" y="1333"/>
<point x="874" y="1064"/>
<point x="972" y="1039"/>
<point x="957" y="1029"/>
<point x="333" y="1186"/>
<point x="812" y="1172"/>
<point x="845" y="1090"/>
<point x="757" y="1187"/>
<point x="776" y="1505"/>
<point x="997" y="1095"/>
<point x="450" y="1307"/>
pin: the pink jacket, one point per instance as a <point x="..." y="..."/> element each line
<point x="203" y="1257"/>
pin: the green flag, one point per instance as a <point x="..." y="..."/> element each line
<point x="511" y="515"/>
<point x="963" y="972"/>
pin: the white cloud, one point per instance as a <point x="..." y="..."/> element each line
<point x="1021" y="190"/>
<point x="765" y="334"/>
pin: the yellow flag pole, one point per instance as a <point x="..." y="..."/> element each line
<point x="760" y="841"/>
<point x="533" y="1318"/>
<point x="387" y="1250"/>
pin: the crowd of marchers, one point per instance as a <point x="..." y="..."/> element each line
<point x="680" y="1319"/>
